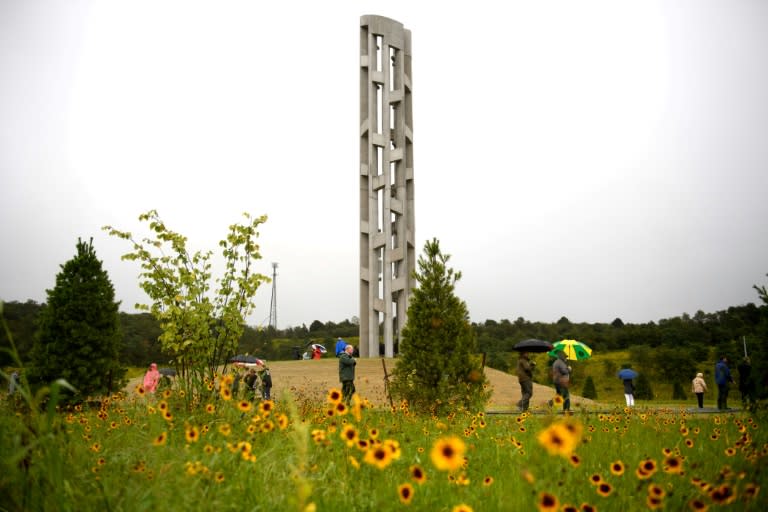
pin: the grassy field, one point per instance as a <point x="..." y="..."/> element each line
<point x="308" y="453"/>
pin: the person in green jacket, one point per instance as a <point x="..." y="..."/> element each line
<point x="347" y="373"/>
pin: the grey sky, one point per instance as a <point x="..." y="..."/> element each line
<point x="594" y="159"/>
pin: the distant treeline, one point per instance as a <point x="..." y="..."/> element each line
<point x="698" y="335"/>
<point x="141" y="331"/>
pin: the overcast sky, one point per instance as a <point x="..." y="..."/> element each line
<point x="587" y="159"/>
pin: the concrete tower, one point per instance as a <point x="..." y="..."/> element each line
<point x="387" y="256"/>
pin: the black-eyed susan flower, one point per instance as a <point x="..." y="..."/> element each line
<point x="267" y="426"/>
<point x="617" y="468"/>
<point x="192" y="434"/>
<point x="225" y="429"/>
<point x="463" y="507"/>
<point x="673" y="464"/>
<point x="244" y="405"/>
<point x="349" y="435"/>
<point x="697" y="505"/>
<point x="405" y="492"/>
<point x="646" y="469"/>
<point x="282" y="421"/>
<point x="595" y="479"/>
<point x="265" y="407"/>
<point x="161" y="439"/>
<point x="560" y="438"/>
<point x="487" y="481"/>
<point x="575" y="460"/>
<point x="750" y="491"/>
<point x="334" y="395"/>
<point x="548" y="502"/>
<point x="604" y="489"/>
<point x="218" y="477"/>
<point x="448" y="453"/>
<point x="653" y="502"/>
<point x="586" y="507"/>
<point x="379" y="456"/>
<point x="417" y="474"/>
<point x="722" y="495"/>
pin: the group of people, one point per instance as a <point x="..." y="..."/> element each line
<point x="561" y="374"/>
<point x="257" y="379"/>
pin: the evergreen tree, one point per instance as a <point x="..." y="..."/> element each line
<point x="79" y="333"/>
<point x="438" y="366"/>
<point x="589" y="390"/>
<point x="677" y="391"/>
<point x="643" y="389"/>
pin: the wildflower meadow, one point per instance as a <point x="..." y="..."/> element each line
<point x="136" y="451"/>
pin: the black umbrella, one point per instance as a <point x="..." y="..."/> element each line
<point x="244" y="358"/>
<point x="169" y="372"/>
<point x="533" y="345"/>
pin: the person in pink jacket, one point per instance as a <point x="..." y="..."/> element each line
<point x="151" y="378"/>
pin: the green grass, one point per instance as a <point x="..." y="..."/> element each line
<point x="130" y="455"/>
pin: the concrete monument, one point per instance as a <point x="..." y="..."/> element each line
<point x="387" y="255"/>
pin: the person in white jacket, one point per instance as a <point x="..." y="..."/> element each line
<point x="698" y="386"/>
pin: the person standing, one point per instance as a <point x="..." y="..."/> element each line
<point x="151" y="379"/>
<point x="525" y="378"/>
<point x="629" y="392"/>
<point x="316" y="352"/>
<point x="265" y="378"/>
<point x="746" y="382"/>
<point x="698" y="387"/>
<point x="561" y="375"/>
<point x="723" y="379"/>
<point x="347" y="373"/>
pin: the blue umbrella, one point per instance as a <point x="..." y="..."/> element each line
<point x="627" y="374"/>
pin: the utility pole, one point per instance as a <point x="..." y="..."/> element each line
<point x="273" y="302"/>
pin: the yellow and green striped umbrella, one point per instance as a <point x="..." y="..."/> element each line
<point x="574" y="350"/>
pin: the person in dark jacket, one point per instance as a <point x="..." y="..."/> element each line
<point x="347" y="373"/>
<point x="723" y="379"/>
<point x="525" y="378"/>
<point x="746" y="382"/>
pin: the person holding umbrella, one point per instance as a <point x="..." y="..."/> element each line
<point x="626" y="374"/>
<point x="525" y="377"/>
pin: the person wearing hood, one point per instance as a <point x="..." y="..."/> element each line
<point x="698" y="387"/>
<point x="151" y="379"/>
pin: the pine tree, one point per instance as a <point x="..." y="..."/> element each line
<point x="437" y="365"/>
<point x="643" y="390"/>
<point x="589" y="390"/>
<point x="79" y="329"/>
<point x="677" y="391"/>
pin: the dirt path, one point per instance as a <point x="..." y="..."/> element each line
<point x="314" y="378"/>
